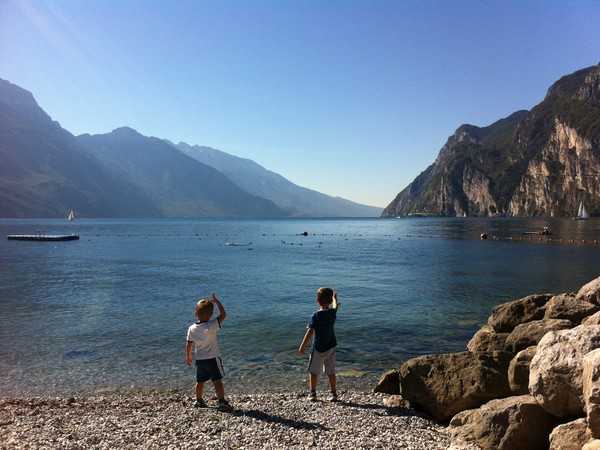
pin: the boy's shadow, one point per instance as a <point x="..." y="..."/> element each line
<point x="273" y="418"/>
<point x="384" y="410"/>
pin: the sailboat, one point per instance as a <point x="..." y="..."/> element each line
<point x="582" y="213"/>
<point x="71" y="215"/>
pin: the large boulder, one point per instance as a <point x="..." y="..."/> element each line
<point x="570" y="436"/>
<point x="591" y="390"/>
<point x="555" y="374"/>
<point x="570" y="307"/>
<point x="518" y="371"/>
<point x="487" y="340"/>
<point x="513" y="423"/>
<point x="594" y="319"/>
<point x="530" y="333"/>
<point x="590" y="292"/>
<point x="443" y="385"/>
<point x="507" y="316"/>
<point x="389" y="383"/>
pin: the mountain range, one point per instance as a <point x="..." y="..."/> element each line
<point x="46" y="171"/>
<point x="542" y="162"/>
<point x="293" y="199"/>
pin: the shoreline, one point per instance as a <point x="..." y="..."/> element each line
<point x="233" y="385"/>
<point x="159" y="419"/>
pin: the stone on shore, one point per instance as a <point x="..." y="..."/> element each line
<point x="590" y="292"/>
<point x="591" y="390"/>
<point x="513" y="423"/>
<point x="518" y="371"/>
<point x="555" y="375"/>
<point x="389" y="383"/>
<point x="530" y="333"/>
<point x="570" y="436"/>
<point x="443" y="385"/>
<point x="507" y="316"/>
<point x="487" y="340"/>
<point x="570" y="307"/>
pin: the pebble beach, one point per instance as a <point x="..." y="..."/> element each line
<point x="160" y="419"/>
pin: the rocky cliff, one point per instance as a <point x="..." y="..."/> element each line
<point x="541" y="162"/>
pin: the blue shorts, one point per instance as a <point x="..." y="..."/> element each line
<point x="209" y="369"/>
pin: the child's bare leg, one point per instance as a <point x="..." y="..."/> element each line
<point x="219" y="389"/>
<point x="199" y="390"/>
<point x="332" y="382"/>
<point x="312" y="382"/>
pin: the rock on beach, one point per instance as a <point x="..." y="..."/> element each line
<point x="555" y="376"/>
<point x="513" y="423"/>
<point x="443" y="385"/>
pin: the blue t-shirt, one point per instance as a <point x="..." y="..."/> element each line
<point x="322" y="322"/>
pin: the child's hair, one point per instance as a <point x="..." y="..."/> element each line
<point x="204" y="309"/>
<point x="324" y="296"/>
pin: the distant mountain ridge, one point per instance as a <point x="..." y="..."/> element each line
<point x="541" y="162"/>
<point x="178" y="185"/>
<point x="46" y="171"/>
<point x="296" y="200"/>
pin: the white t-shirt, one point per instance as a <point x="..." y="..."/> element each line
<point x="204" y="337"/>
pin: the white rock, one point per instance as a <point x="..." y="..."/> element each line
<point x="555" y="375"/>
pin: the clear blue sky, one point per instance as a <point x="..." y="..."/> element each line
<point x="353" y="98"/>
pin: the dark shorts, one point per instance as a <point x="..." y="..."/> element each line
<point x="209" y="369"/>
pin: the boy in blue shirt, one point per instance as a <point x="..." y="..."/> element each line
<point x="322" y="356"/>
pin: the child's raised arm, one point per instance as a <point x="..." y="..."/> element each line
<point x="335" y="304"/>
<point x="222" y="313"/>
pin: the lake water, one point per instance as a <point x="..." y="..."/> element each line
<point x="111" y="310"/>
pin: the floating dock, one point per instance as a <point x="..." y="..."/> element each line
<point x="43" y="237"/>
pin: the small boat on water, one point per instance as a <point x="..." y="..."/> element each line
<point x="582" y="213"/>
<point x="43" y="237"/>
<point x="71" y="215"/>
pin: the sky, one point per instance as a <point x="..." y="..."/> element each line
<point x="351" y="98"/>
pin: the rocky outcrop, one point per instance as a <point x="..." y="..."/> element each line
<point x="591" y="390"/>
<point x="555" y="375"/>
<point x="513" y="423"/>
<point x="549" y="363"/>
<point x="507" y="316"/>
<point x="540" y="162"/>
<point x="530" y="333"/>
<point x="486" y="340"/>
<point x="443" y="385"/>
<point x="518" y="371"/>
<point x="571" y="164"/>
<point x="570" y="436"/>
<point x="569" y="307"/>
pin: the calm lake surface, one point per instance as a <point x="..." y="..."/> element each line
<point x="111" y="310"/>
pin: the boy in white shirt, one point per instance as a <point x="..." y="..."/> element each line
<point x="203" y="347"/>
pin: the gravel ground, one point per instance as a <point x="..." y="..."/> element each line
<point x="168" y="420"/>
